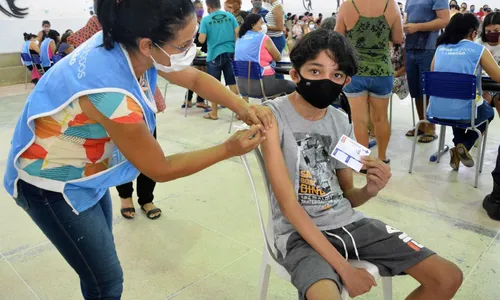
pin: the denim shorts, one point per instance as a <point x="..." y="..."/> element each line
<point x="374" y="86"/>
<point x="417" y="62"/>
<point x="222" y="64"/>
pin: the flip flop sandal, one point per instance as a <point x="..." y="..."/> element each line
<point x="420" y="132"/>
<point x="209" y="117"/>
<point x="123" y="211"/>
<point x="152" y="212"/>
<point x="432" y="137"/>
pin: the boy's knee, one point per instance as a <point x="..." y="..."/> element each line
<point x="448" y="280"/>
<point x="324" y="289"/>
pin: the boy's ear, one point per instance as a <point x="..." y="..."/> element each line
<point x="347" y="81"/>
<point x="294" y="75"/>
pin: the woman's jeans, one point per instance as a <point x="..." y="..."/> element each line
<point x="280" y="43"/>
<point x="85" y="240"/>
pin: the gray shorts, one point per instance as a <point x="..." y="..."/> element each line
<point x="392" y="251"/>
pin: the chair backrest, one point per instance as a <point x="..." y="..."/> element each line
<point x="267" y="231"/>
<point x="56" y="58"/>
<point x="450" y="85"/>
<point x="26" y="58"/>
<point x="247" y="70"/>
<point x="36" y="59"/>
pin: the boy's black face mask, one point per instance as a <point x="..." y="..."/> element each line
<point x="319" y="93"/>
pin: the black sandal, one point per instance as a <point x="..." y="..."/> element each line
<point x="127" y="210"/>
<point x="151" y="212"/>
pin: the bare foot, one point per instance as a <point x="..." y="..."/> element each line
<point x="126" y="204"/>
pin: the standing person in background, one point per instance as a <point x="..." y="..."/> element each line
<point x="319" y="20"/>
<point x="370" y="25"/>
<point x="258" y="9"/>
<point x="454" y="8"/>
<point x="276" y="26"/>
<point x="472" y="8"/>
<point x="424" y="20"/>
<point x="45" y="31"/>
<point x="200" y="102"/>
<point x="463" y="7"/>
<point x="219" y="30"/>
<point x="234" y="7"/>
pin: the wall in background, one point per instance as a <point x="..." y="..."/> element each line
<point x="62" y="14"/>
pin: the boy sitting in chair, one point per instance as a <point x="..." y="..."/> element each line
<point x="316" y="228"/>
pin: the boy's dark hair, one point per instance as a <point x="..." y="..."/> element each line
<point x="336" y="46"/>
<point x="45" y="22"/>
<point x="213" y="3"/>
<point x="127" y="21"/>
<point x="460" y="26"/>
<point x="491" y="19"/>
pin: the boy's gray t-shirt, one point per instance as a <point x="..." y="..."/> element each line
<point x="306" y="147"/>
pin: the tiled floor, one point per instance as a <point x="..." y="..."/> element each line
<point x="207" y="245"/>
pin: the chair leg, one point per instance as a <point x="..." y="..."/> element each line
<point x="26" y="79"/>
<point x="231" y="123"/>
<point x="165" y="91"/>
<point x="415" y="139"/>
<point x="478" y="159"/>
<point x="387" y="287"/>
<point x="413" y="111"/>
<point x="186" y="104"/>
<point x="441" y="142"/>
<point x="264" y="278"/>
<point x="484" y="148"/>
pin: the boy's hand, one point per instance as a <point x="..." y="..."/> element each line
<point x="357" y="281"/>
<point x="377" y="176"/>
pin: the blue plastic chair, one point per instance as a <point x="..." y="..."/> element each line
<point x="453" y="86"/>
<point x="26" y="59"/>
<point x="36" y="59"/>
<point x="56" y="58"/>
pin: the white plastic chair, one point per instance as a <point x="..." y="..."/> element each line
<point x="269" y="259"/>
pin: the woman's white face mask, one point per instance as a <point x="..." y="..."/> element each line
<point x="178" y="62"/>
<point x="264" y="29"/>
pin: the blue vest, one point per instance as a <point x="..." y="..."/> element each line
<point x="26" y="50"/>
<point x="464" y="58"/>
<point x="87" y="70"/>
<point x="248" y="47"/>
<point x="44" y="52"/>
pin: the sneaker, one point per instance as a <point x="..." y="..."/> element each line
<point x="454" y="159"/>
<point x="465" y="156"/>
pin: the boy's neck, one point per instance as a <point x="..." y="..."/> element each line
<point x="304" y="109"/>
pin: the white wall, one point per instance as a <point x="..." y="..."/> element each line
<point x="62" y="14"/>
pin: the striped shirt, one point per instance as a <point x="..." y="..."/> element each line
<point x="271" y="21"/>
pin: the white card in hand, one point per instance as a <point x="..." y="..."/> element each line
<point x="349" y="152"/>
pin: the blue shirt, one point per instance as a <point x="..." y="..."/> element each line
<point x="219" y="28"/>
<point x="262" y="12"/>
<point x="423" y="11"/>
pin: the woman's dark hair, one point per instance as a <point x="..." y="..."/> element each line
<point x="45" y="22"/>
<point x="335" y="45"/>
<point x="460" y="26"/>
<point x="29" y="36"/>
<point x="64" y="38"/>
<point x="249" y="23"/>
<point x="491" y="19"/>
<point x="126" y="21"/>
<point x="54" y="35"/>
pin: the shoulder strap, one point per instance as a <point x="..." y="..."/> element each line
<point x="386" y="4"/>
<point x="355" y="7"/>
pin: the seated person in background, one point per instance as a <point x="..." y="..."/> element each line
<point x="398" y="63"/>
<point x="490" y="38"/>
<point x="48" y="49"/>
<point x="45" y="31"/>
<point x="329" y="23"/>
<point x="30" y="47"/>
<point x="457" y="53"/>
<point x="64" y="48"/>
<point x="254" y="45"/>
<point x="313" y="195"/>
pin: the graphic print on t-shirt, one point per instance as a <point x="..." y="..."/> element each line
<point x="315" y="172"/>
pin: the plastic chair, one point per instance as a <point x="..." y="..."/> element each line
<point x="269" y="259"/>
<point x="26" y="59"/>
<point x="454" y="86"/>
<point x="56" y="58"/>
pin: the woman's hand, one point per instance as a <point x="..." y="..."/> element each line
<point x="257" y="115"/>
<point x="244" y="141"/>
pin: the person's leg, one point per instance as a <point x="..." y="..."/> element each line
<point x="189" y="98"/>
<point x="280" y="43"/>
<point x="357" y="94"/>
<point x="125" y="192"/>
<point x="85" y="240"/>
<point x="491" y="202"/>
<point x="323" y="290"/>
<point x="381" y="123"/>
<point x="145" y="194"/>
<point x="214" y="69"/>
<point x="227" y="69"/>
<point x="424" y="65"/>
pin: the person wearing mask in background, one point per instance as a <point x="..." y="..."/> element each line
<point x="254" y="45"/>
<point x="64" y="48"/>
<point x="370" y="25"/>
<point x="234" y="7"/>
<point x="48" y="49"/>
<point x="290" y="22"/>
<point x="480" y="14"/>
<point x="457" y="53"/>
<point x="200" y="102"/>
<point x="73" y="142"/>
<point x="220" y="37"/>
<point x="454" y="8"/>
<point x="45" y="31"/>
<point x="490" y="39"/>
<point x="258" y="9"/>
<point x="31" y="47"/>
<point x="276" y="26"/>
<point x="424" y="20"/>
<point x="463" y="7"/>
<point x="472" y="8"/>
